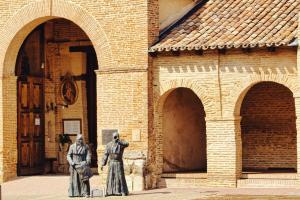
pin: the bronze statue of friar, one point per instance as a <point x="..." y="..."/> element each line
<point x="116" y="183"/>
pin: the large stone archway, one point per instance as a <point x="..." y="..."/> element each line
<point x="12" y="36"/>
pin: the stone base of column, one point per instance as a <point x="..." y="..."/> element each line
<point x="134" y="165"/>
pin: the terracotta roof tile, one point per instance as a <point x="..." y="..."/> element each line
<point x="234" y="24"/>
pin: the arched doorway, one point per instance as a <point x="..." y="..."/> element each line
<point x="184" y="132"/>
<point x="268" y="129"/>
<point x="54" y="53"/>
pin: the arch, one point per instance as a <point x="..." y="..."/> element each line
<point x="184" y="132"/>
<point x="268" y="121"/>
<point x="239" y="92"/>
<point x="18" y="27"/>
<point x="168" y="86"/>
<point x="288" y="83"/>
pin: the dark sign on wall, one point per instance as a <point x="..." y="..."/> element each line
<point x="107" y="135"/>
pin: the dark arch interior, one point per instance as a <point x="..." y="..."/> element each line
<point x="184" y="143"/>
<point x="268" y="128"/>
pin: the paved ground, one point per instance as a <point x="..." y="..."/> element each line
<point x="55" y="188"/>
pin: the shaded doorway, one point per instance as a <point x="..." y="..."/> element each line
<point x="91" y="95"/>
<point x="269" y="129"/>
<point x="45" y="61"/>
<point x="30" y="104"/>
<point x="184" y="133"/>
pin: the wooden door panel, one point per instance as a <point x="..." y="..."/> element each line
<point x="36" y="154"/>
<point x="37" y="96"/>
<point x="24" y="122"/>
<point x="30" y="126"/>
<point x="24" y="95"/>
<point x="25" y="149"/>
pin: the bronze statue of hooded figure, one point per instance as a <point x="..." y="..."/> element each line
<point x="116" y="183"/>
<point x="79" y="158"/>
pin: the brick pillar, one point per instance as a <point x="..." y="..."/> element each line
<point x="8" y="133"/>
<point x="122" y="104"/>
<point x="224" y="149"/>
<point x="297" y="109"/>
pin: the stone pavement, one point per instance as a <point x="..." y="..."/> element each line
<point x="55" y="188"/>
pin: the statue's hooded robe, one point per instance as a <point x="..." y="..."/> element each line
<point x="78" y="156"/>
<point x="116" y="183"/>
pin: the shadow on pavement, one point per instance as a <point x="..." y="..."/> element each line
<point x="136" y="194"/>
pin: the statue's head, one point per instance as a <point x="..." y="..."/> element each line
<point x="116" y="136"/>
<point x="79" y="139"/>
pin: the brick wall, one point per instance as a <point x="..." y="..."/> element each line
<point x="126" y="94"/>
<point x="9" y="142"/>
<point x="221" y="82"/>
<point x="65" y="30"/>
<point x="268" y="127"/>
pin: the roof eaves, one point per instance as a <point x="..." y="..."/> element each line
<point x="294" y="43"/>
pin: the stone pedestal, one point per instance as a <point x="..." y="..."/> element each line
<point x="134" y="166"/>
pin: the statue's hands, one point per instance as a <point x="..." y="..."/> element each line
<point x="101" y="168"/>
<point x="83" y="163"/>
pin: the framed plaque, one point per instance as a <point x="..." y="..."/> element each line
<point x="72" y="126"/>
<point x="107" y="135"/>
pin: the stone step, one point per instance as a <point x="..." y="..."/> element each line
<point x="266" y="183"/>
<point x="182" y="182"/>
<point x="185" y="175"/>
<point x="256" y="175"/>
<point x="241" y="183"/>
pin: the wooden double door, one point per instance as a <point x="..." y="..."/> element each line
<point x="31" y="148"/>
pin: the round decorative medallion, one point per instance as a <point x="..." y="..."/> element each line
<point x="69" y="90"/>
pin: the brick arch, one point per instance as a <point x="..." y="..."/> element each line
<point x="268" y="114"/>
<point x="239" y="92"/>
<point x="165" y="89"/>
<point x="169" y="86"/>
<point x="26" y="19"/>
<point x="242" y="89"/>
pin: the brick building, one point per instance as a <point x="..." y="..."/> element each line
<point x="206" y="92"/>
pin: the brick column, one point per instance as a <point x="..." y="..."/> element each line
<point x="297" y="109"/>
<point x="8" y="124"/>
<point x="224" y="161"/>
<point x="122" y="104"/>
